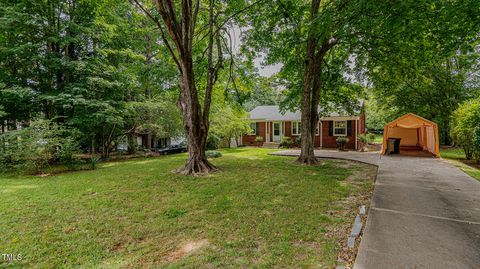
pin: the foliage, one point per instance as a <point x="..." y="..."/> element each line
<point x="213" y="154"/>
<point x="213" y="142"/>
<point x="427" y="65"/>
<point x="86" y="61"/>
<point x="363" y="138"/>
<point x="93" y="162"/>
<point x="465" y="122"/>
<point x="227" y="120"/>
<point x="259" y="139"/>
<point x="286" y="142"/>
<point x="371" y="137"/>
<point x="341" y="142"/>
<point x="33" y="148"/>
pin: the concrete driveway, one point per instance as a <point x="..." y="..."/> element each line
<point x="425" y="213"/>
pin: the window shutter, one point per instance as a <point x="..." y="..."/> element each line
<point x="257" y="128"/>
<point x="349" y="128"/>
<point x="330" y="128"/>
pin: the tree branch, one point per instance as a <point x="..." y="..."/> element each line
<point x="162" y="33"/>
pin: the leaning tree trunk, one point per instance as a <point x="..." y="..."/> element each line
<point x="195" y="127"/>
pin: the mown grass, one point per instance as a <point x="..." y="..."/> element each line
<point x="259" y="211"/>
<point x="457" y="157"/>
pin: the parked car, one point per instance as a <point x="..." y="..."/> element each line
<point x="172" y="149"/>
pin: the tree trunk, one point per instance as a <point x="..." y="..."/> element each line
<point x="307" y="154"/>
<point x="195" y="126"/>
<point x="181" y="33"/>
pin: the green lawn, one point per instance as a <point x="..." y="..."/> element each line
<point x="378" y="139"/>
<point x="457" y="157"/>
<point x="259" y="211"/>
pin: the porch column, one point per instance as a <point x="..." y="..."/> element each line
<point x="321" y="133"/>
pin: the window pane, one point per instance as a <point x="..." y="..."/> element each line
<point x="340" y="124"/>
<point x="276" y="129"/>
<point x="340" y="131"/>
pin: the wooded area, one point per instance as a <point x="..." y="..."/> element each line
<point x="104" y="72"/>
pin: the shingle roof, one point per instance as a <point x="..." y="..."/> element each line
<point x="272" y="113"/>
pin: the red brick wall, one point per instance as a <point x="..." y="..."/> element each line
<point x="288" y="129"/>
<point x="362" y="123"/>
<point x="327" y="141"/>
<point x="331" y="141"/>
<point x="250" y="139"/>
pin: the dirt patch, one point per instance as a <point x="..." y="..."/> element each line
<point x="187" y="249"/>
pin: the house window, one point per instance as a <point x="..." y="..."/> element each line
<point x="253" y="126"/>
<point x="296" y="128"/>
<point x="340" y="128"/>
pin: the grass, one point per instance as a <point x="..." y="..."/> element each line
<point x="457" y="157"/>
<point x="259" y="211"/>
<point x="378" y="139"/>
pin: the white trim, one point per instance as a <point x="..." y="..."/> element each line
<point x="266" y="131"/>
<point x="340" y="118"/>
<point x="279" y="133"/>
<point x="321" y="134"/>
<point x="346" y="128"/>
<point x="254" y="132"/>
<point x="297" y="123"/>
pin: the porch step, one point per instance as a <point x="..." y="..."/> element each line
<point x="271" y="145"/>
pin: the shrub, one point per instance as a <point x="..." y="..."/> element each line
<point x="259" y="140"/>
<point x="93" y="162"/>
<point x="33" y="148"/>
<point x="370" y="137"/>
<point x="286" y="142"/>
<point x="341" y="142"/>
<point x="464" y="131"/>
<point x="213" y="154"/>
<point x="213" y="142"/>
<point x="363" y="138"/>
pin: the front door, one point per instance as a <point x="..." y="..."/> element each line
<point x="277" y="132"/>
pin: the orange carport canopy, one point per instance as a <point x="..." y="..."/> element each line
<point x="413" y="130"/>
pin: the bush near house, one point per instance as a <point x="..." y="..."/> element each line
<point x="364" y="140"/>
<point x="341" y="142"/>
<point x="286" y="142"/>
<point x="466" y="128"/>
<point x="259" y="140"/>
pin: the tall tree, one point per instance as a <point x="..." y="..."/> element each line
<point x="180" y="28"/>
<point x="302" y="35"/>
<point x="313" y="38"/>
<point x="193" y="31"/>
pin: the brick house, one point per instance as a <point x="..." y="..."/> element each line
<point x="272" y="125"/>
